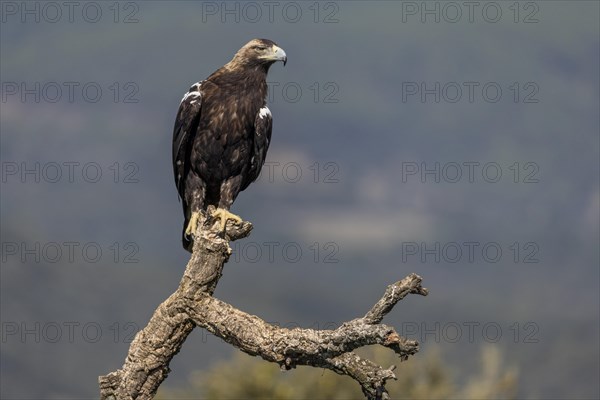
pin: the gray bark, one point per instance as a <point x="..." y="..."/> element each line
<point x="192" y="305"/>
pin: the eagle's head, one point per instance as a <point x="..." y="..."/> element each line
<point x="259" y="52"/>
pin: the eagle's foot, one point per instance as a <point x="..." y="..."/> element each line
<point x="224" y="215"/>
<point x="191" y="227"/>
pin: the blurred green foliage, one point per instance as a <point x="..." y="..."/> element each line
<point x="424" y="376"/>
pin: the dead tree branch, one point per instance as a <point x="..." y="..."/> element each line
<point x="192" y="305"/>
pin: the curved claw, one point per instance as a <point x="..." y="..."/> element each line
<point x="224" y="215"/>
<point x="191" y="226"/>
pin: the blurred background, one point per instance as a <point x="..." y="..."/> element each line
<point x="456" y="140"/>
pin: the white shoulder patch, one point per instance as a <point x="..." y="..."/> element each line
<point x="194" y="92"/>
<point x="264" y="112"/>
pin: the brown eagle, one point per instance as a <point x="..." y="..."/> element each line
<point x="222" y="133"/>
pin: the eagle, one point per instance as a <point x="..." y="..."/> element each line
<point x="222" y="133"/>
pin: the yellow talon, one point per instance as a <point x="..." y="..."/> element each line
<point x="224" y="215"/>
<point x="191" y="227"/>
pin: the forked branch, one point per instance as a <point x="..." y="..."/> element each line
<point x="192" y="304"/>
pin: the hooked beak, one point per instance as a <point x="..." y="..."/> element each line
<point x="277" y="54"/>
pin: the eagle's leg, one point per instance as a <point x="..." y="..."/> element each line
<point x="229" y="191"/>
<point x="224" y="215"/>
<point x="193" y="204"/>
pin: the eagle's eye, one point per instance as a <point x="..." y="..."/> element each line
<point x="260" y="48"/>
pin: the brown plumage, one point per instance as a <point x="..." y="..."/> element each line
<point x="222" y="133"/>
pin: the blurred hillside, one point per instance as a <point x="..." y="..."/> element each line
<point x="463" y="149"/>
<point x="425" y="377"/>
